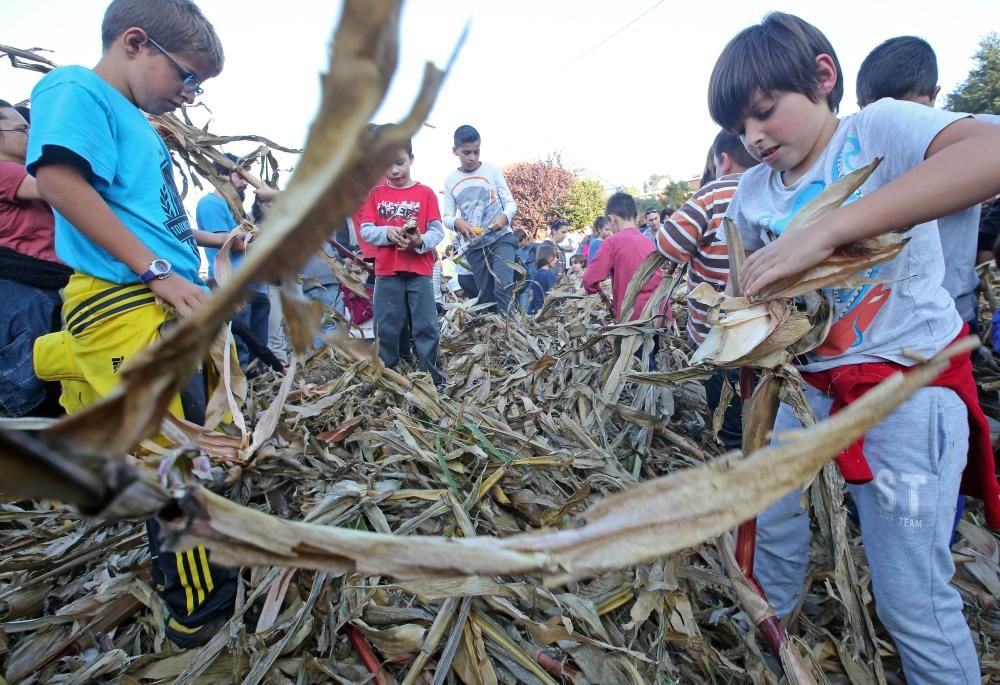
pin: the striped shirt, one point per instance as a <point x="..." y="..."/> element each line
<point x="690" y="236"/>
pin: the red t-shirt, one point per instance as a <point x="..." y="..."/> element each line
<point x="388" y="206"/>
<point x="26" y="226"/>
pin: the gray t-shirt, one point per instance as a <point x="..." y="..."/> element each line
<point x="909" y="308"/>
<point x="959" y="234"/>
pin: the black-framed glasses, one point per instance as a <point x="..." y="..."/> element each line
<point x="190" y="81"/>
<point x="19" y="129"/>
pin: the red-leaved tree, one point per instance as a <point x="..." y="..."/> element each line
<point x="540" y="189"/>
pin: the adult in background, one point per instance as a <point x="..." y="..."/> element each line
<point x="558" y="230"/>
<point x="215" y="219"/>
<point x="30" y="275"/>
<point x="652" y="226"/>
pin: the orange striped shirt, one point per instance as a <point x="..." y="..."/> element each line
<point x="692" y="235"/>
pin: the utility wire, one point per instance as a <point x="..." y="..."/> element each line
<point x="605" y="40"/>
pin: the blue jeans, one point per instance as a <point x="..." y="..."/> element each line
<point x="493" y="269"/>
<point x="26" y="313"/>
<point x="329" y="296"/>
<point x="254" y="318"/>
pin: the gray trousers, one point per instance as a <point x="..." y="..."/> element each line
<point x="917" y="456"/>
<point x="492" y="267"/>
<point x="394" y="297"/>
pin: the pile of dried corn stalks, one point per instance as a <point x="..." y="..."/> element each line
<point x="552" y="517"/>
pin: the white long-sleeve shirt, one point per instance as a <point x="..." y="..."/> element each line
<point x="478" y="197"/>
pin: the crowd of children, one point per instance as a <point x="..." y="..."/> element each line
<point x="97" y="255"/>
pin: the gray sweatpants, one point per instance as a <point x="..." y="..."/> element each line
<point x="394" y="297"/>
<point x="917" y="456"/>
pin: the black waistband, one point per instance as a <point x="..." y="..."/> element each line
<point x="36" y="273"/>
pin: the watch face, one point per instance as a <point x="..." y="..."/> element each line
<point x="160" y="266"/>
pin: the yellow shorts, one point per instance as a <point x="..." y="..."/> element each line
<point x="104" y="325"/>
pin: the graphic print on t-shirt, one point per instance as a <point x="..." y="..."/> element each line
<point x="477" y="204"/>
<point x="397" y="213"/>
<point x="170" y="201"/>
<point x="854" y="309"/>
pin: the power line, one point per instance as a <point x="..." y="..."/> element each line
<point x="605" y="40"/>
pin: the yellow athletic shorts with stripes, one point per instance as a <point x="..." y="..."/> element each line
<point x="105" y="324"/>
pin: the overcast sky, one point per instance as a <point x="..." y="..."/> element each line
<point x="618" y="88"/>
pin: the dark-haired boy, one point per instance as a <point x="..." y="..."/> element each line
<point x="905" y="68"/>
<point x="693" y="236"/>
<point x="906" y="480"/>
<point x="121" y="227"/>
<point x="402" y="220"/>
<point x="620" y="256"/>
<point x="479" y="206"/>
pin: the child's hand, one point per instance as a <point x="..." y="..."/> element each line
<point x="498" y="222"/>
<point x="396" y="236"/>
<point x="183" y="295"/>
<point x="783" y="260"/>
<point x="465" y="229"/>
<point x="240" y="239"/>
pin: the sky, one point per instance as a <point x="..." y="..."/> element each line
<point x="617" y="89"/>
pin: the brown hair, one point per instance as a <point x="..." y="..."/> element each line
<point x="178" y="25"/>
<point x="779" y="54"/>
<point x="545" y="254"/>
<point x="731" y="144"/>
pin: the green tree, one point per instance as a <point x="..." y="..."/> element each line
<point x="584" y="202"/>
<point x="674" y="194"/>
<point x="660" y="191"/>
<point x="980" y="93"/>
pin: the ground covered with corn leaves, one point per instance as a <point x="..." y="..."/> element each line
<point x="552" y="419"/>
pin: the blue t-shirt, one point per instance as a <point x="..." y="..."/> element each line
<point x="213" y="216"/>
<point x="595" y="245"/>
<point x="540" y="285"/>
<point x="75" y="109"/>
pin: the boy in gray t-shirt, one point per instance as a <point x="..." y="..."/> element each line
<point x="783" y="103"/>
<point x="905" y="68"/>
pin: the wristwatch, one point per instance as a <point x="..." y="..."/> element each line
<point x="158" y="269"/>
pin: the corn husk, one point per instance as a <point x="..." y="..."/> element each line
<point x="766" y="332"/>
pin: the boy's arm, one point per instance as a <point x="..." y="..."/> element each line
<point x="67" y="191"/>
<point x="427" y="241"/>
<point x="218" y="239"/>
<point x="450" y="217"/>
<point x="679" y="236"/>
<point x="600" y="268"/>
<point x="961" y="168"/>
<point x="434" y="229"/>
<point x="215" y="225"/>
<point x="28" y="190"/>
<point x="505" y="197"/>
<point x="383" y="236"/>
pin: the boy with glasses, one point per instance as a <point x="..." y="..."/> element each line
<point x="121" y="227"/>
